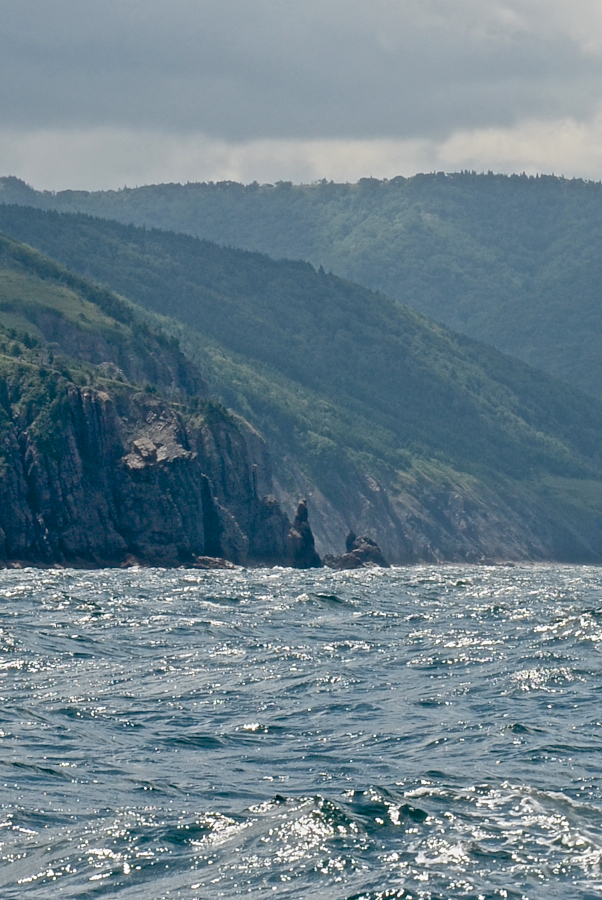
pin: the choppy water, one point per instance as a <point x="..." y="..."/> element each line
<point x="417" y="733"/>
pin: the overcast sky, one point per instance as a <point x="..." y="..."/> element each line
<point x="102" y="93"/>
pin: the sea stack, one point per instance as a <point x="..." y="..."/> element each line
<point x="301" y="546"/>
<point x="362" y="553"/>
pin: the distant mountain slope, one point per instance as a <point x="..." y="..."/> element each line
<point x="513" y="261"/>
<point x="440" y="447"/>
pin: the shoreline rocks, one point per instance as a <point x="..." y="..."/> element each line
<point x="362" y="553"/>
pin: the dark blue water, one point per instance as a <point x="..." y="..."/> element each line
<point x="415" y="733"/>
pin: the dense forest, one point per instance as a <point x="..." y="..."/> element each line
<point x="440" y="446"/>
<point x="512" y="261"/>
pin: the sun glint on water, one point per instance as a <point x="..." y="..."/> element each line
<point x="370" y="735"/>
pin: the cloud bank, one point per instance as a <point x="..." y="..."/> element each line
<point x="99" y="93"/>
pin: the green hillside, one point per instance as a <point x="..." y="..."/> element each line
<point x="439" y="446"/>
<point x="512" y="261"/>
<point x="48" y="305"/>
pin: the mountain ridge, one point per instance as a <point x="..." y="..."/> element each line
<point x="509" y="260"/>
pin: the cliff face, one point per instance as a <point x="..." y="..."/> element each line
<point x="94" y="474"/>
<point x="94" y="470"/>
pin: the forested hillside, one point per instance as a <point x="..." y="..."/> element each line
<point x="513" y="261"/>
<point x="440" y="447"/>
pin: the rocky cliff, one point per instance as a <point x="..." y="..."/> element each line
<point x="420" y="517"/>
<point x="98" y="473"/>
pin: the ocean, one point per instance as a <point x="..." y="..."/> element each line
<point x="426" y="732"/>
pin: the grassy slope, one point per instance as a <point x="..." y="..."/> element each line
<point x="339" y="377"/>
<point x="52" y="304"/>
<point x="23" y="297"/>
<point x="513" y="261"/>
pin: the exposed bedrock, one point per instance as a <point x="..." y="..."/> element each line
<point x="420" y="520"/>
<point x="101" y="476"/>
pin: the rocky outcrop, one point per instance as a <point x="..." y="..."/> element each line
<point x="99" y="475"/>
<point x="301" y="546"/>
<point x="362" y="553"/>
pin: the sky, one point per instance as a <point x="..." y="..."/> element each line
<point x="99" y="94"/>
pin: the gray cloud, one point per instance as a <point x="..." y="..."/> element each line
<point x="241" y="70"/>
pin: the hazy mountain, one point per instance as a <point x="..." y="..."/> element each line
<point x="440" y="447"/>
<point x="512" y="261"/>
